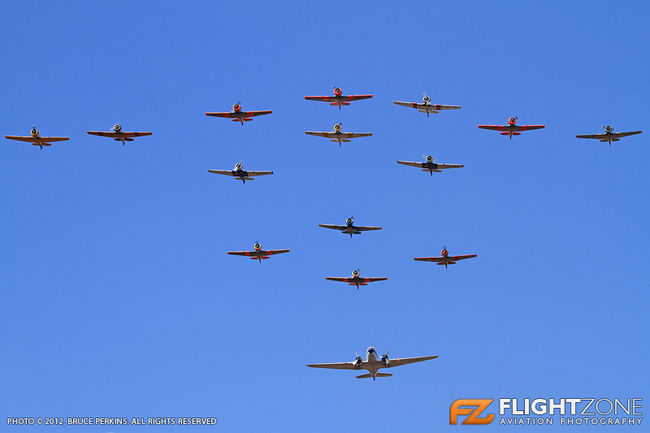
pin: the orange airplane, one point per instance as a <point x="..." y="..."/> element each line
<point x="237" y="115"/>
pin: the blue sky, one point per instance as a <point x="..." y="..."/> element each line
<point x="118" y="297"/>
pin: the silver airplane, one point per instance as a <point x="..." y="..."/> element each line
<point x="372" y="364"/>
<point x="337" y="135"/>
<point x="609" y="135"/>
<point x="349" y="227"/>
<point x="429" y="165"/>
<point x="426" y="106"/>
<point x="118" y="135"/>
<point x="239" y="173"/>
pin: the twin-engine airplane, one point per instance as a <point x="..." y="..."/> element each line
<point x="356" y="280"/>
<point x="609" y="135"/>
<point x="258" y="253"/>
<point x="429" y="165"/>
<point x="239" y="173"/>
<point x="337" y="135"/>
<point x="446" y="259"/>
<point x="118" y="135"/>
<point x="512" y="128"/>
<point x="372" y="364"/>
<point x="349" y="227"/>
<point x="237" y="115"/>
<point x="426" y="106"/>
<point x="339" y="98"/>
<point x="36" y="139"/>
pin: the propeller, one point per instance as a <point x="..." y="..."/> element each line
<point x="357" y="359"/>
<point x="607" y="128"/>
<point x="426" y="157"/>
<point x="384" y="358"/>
<point x="425" y="97"/>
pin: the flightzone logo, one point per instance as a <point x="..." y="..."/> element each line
<point x="547" y="411"/>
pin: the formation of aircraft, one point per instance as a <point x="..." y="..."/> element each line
<point x="373" y="364"/>
<point x="511" y="128"/>
<point x="609" y="135"/>
<point x="426" y="106"/>
<point x="239" y="173"/>
<point x="339" y="98"/>
<point x="35" y="138"/>
<point x="118" y="135"/>
<point x="258" y="253"/>
<point x="356" y="279"/>
<point x="349" y="227"/>
<point x="237" y="115"/>
<point x="445" y="259"/>
<point x="429" y="165"/>
<point x="338" y="135"/>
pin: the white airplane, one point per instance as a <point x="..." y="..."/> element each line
<point x="609" y="135"/>
<point x="349" y="227"/>
<point x="239" y="173"/>
<point x="426" y="106"/>
<point x="429" y="165"/>
<point x="118" y="135"/>
<point x="36" y="139"/>
<point x="337" y="135"/>
<point x="372" y="364"/>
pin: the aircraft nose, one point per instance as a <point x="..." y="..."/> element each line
<point x="371" y="349"/>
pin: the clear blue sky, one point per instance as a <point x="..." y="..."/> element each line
<point x="118" y="298"/>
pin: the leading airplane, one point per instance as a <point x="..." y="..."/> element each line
<point x="430" y="166"/>
<point x="258" y="253"/>
<point x="337" y="135"/>
<point x="239" y="173"/>
<point x="339" y="98"/>
<point x="426" y="106"/>
<point x="446" y="259"/>
<point x="349" y="227"/>
<point x="512" y="128"/>
<point x="356" y="280"/>
<point x="609" y="135"/>
<point x="372" y="364"/>
<point x="36" y="139"/>
<point x="237" y="115"/>
<point x="118" y="135"/>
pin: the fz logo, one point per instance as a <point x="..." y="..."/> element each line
<point x="472" y="408"/>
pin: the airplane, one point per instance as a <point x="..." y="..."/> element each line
<point x="337" y="135"/>
<point x="372" y="364"/>
<point x="239" y="173"/>
<point x="257" y="253"/>
<point x="609" y="135"/>
<point x="36" y="139"/>
<point x="426" y="106"/>
<point x="339" y="98"/>
<point x="511" y="128"/>
<point x="446" y="259"/>
<point x="237" y="115"/>
<point x="118" y="135"/>
<point x="349" y="227"/>
<point x="429" y="165"/>
<point x="356" y="280"/>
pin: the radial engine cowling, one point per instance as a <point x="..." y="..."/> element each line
<point x="608" y="129"/>
<point x="338" y="91"/>
<point x="117" y="127"/>
<point x="426" y="99"/>
<point x="338" y="127"/>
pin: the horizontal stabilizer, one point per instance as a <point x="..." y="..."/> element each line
<point x="368" y="375"/>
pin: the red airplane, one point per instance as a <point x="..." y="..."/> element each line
<point x="446" y="259"/>
<point x="258" y="253"/>
<point x="356" y="280"/>
<point x="511" y="128"/>
<point x="237" y="115"/>
<point x="339" y="98"/>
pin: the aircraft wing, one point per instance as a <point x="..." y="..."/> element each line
<point x="119" y="134"/>
<point x="258" y="173"/>
<point x="596" y="136"/>
<point x="320" y="98"/>
<point x="255" y="113"/>
<point x="336" y="365"/>
<point x="320" y="133"/>
<point x="403" y="361"/>
<point x="30" y="139"/>
<point x="271" y="252"/>
<point x="332" y="226"/>
<point x="373" y="279"/>
<point x="221" y="114"/>
<point x="355" y="134"/>
<point x="492" y="127"/>
<point x="355" y="97"/>
<point x="366" y="228"/>
<point x="428" y="259"/>
<point x="625" y="134"/>
<point x="224" y="172"/>
<point x="528" y="127"/>
<point x="411" y="163"/>
<point x="443" y="166"/>
<point x="456" y="258"/>
<point x="340" y="279"/>
<point x="240" y="253"/>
